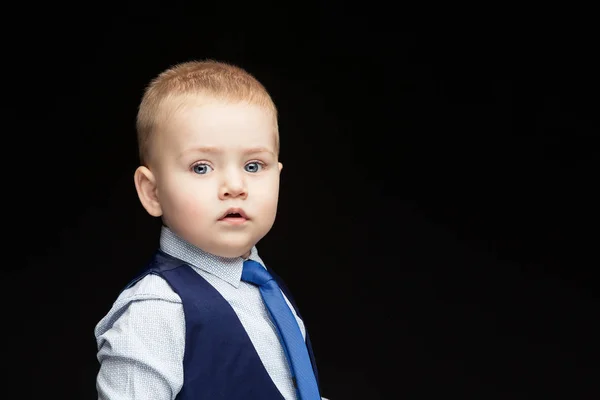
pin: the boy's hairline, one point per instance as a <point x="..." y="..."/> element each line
<point x="181" y="100"/>
<point x="207" y="79"/>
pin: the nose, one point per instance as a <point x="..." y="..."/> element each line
<point x="233" y="185"/>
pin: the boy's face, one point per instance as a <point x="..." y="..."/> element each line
<point x="210" y="157"/>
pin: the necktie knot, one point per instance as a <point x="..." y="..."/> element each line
<point x="255" y="273"/>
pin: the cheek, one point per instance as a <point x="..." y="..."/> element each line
<point x="270" y="196"/>
<point x="184" y="199"/>
<point x="190" y="206"/>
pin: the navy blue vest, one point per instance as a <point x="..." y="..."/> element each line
<point x="220" y="361"/>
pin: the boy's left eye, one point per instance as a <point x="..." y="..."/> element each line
<point x="253" y="167"/>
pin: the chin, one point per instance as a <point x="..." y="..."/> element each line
<point x="229" y="245"/>
<point x="231" y="252"/>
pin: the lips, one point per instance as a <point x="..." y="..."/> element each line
<point x="234" y="212"/>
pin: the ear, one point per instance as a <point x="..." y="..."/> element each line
<point x="145" y="184"/>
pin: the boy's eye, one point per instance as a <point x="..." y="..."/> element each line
<point x="253" y="167"/>
<point x="201" y="168"/>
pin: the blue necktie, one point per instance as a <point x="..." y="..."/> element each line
<point x="287" y="327"/>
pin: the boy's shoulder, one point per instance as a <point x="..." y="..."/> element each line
<point x="149" y="287"/>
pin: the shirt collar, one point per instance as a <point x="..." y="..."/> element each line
<point x="227" y="269"/>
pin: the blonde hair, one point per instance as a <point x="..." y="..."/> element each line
<point x="212" y="79"/>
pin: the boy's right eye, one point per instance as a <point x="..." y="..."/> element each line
<point x="201" y="168"/>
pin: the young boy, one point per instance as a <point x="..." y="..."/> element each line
<point x="206" y="319"/>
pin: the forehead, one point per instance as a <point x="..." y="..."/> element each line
<point x="201" y="121"/>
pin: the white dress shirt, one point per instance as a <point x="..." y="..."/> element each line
<point x="141" y="340"/>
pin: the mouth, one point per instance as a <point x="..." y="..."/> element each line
<point x="234" y="214"/>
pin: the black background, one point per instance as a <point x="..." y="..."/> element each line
<point x="437" y="219"/>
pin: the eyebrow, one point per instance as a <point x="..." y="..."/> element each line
<point x="217" y="150"/>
